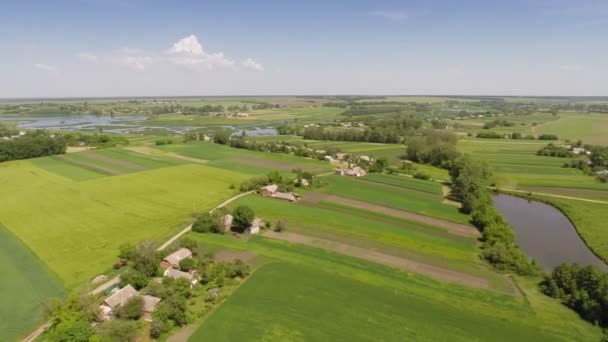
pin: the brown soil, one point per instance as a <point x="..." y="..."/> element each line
<point x="129" y="165"/>
<point x="454" y="228"/>
<point x="230" y="256"/>
<point x="91" y="166"/>
<point x="385" y="259"/>
<point x="274" y="164"/>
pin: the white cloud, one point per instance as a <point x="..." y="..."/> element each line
<point x="47" y="68"/>
<point x="390" y="15"/>
<point x="251" y="64"/>
<point x="137" y="63"/>
<point x="190" y="53"/>
<point x="571" y="67"/>
<point x="88" y="57"/>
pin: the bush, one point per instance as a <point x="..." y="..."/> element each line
<point x="145" y="258"/>
<point x="157" y="328"/>
<point x="489" y="135"/>
<point x="132" y="309"/>
<point x="548" y="137"/>
<point x="187" y="264"/>
<point x="420" y="175"/>
<point x="243" y="217"/>
<point x="210" y="222"/>
<point x="281" y="226"/>
<point x="126" y="251"/>
<point x="135" y="278"/>
<point x="117" y="330"/>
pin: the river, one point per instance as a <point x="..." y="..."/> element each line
<point x="544" y="233"/>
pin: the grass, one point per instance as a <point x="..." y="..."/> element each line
<point x="309" y="294"/>
<point x="251" y="162"/>
<point x="410" y="183"/>
<point x="76" y="227"/>
<point x="60" y="167"/>
<point x="591" y="128"/>
<point x="393" y="197"/>
<point x="25" y="283"/>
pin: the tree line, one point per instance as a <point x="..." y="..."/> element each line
<point x="32" y="145"/>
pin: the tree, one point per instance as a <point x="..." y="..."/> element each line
<point x="126" y="251"/>
<point x="117" y="330"/>
<point x="469" y="181"/>
<point x="221" y="136"/>
<point x="135" y="278"/>
<point x="187" y="264"/>
<point x="145" y="258"/>
<point x="210" y="222"/>
<point x="281" y="226"/>
<point x="243" y="217"/>
<point x="132" y="309"/>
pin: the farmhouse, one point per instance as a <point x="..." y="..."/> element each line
<point x="356" y="172"/>
<point x="172" y="260"/>
<point x="578" y="150"/>
<point x="119" y="297"/>
<point x="269" y="190"/>
<point x="285" y="196"/>
<point x="255" y="227"/>
<point x="365" y="158"/>
<point x="339" y="172"/>
<point x="177" y="274"/>
<point x="328" y="159"/>
<point x="150" y="303"/>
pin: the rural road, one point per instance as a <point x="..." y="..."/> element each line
<point x="41" y="329"/>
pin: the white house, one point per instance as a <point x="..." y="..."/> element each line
<point x="255" y="227"/>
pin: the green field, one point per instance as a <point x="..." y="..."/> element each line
<point x="24" y="285"/>
<point x="310" y="294"/>
<point x="591" y="128"/>
<point x="393" y="197"/>
<point x="75" y="227"/>
<point x="246" y="161"/>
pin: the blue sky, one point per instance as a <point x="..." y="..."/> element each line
<point x="136" y="47"/>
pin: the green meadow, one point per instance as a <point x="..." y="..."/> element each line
<point x="25" y="284"/>
<point x="310" y="294"/>
<point x="75" y="227"/>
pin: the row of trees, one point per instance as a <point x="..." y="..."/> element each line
<point x="8" y="131"/>
<point x="32" y="145"/>
<point x="470" y="181"/>
<point x="584" y="289"/>
<point x="437" y="148"/>
<point x="367" y="134"/>
<point x="552" y="150"/>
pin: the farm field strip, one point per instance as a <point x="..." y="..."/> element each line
<point x="313" y="294"/>
<point x="382" y="258"/>
<point x="89" y="165"/>
<point x="451" y="227"/>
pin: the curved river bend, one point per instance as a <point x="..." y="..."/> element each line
<point x="544" y="233"/>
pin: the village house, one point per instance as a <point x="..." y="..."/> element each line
<point x="356" y="172"/>
<point x="578" y="150"/>
<point x="150" y="303"/>
<point x="365" y="158"/>
<point x="602" y="172"/>
<point x="339" y="172"/>
<point x="328" y="159"/>
<point x="340" y="156"/>
<point x="118" y="298"/>
<point x="172" y="260"/>
<point x="177" y="274"/>
<point x="269" y="190"/>
<point x="255" y="227"/>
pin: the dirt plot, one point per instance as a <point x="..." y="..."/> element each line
<point x="154" y="152"/>
<point x="109" y="160"/>
<point x="385" y="259"/>
<point x="90" y="166"/>
<point x="454" y="228"/>
<point x="230" y="256"/>
<point x="272" y="164"/>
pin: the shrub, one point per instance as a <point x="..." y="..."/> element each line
<point x="117" y="330"/>
<point x="135" y="278"/>
<point x="548" y="137"/>
<point x="243" y="217"/>
<point x="420" y="175"/>
<point x="281" y="226"/>
<point x="187" y="264"/>
<point x="132" y="309"/>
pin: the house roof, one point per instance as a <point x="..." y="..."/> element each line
<point x="121" y="296"/>
<point x="272" y="188"/>
<point x="284" y="196"/>
<point x="228" y="220"/>
<point x="177" y="256"/>
<point x="257" y="222"/>
<point x="150" y="303"/>
<point x="176" y="274"/>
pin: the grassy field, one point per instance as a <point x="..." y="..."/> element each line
<point x="24" y="285"/>
<point x="410" y="183"/>
<point x="309" y="294"/>
<point x="246" y="161"/>
<point x="591" y="128"/>
<point x="76" y="227"/>
<point x="392" y="196"/>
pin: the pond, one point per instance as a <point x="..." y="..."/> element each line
<point x="544" y="233"/>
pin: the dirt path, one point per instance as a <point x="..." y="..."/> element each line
<point x="117" y="162"/>
<point x="550" y="195"/>
<point x="90" y="166"/>
<point x="452" y="227"/>
<point x="385" y="259"/>
<point x="154" y="152"/>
